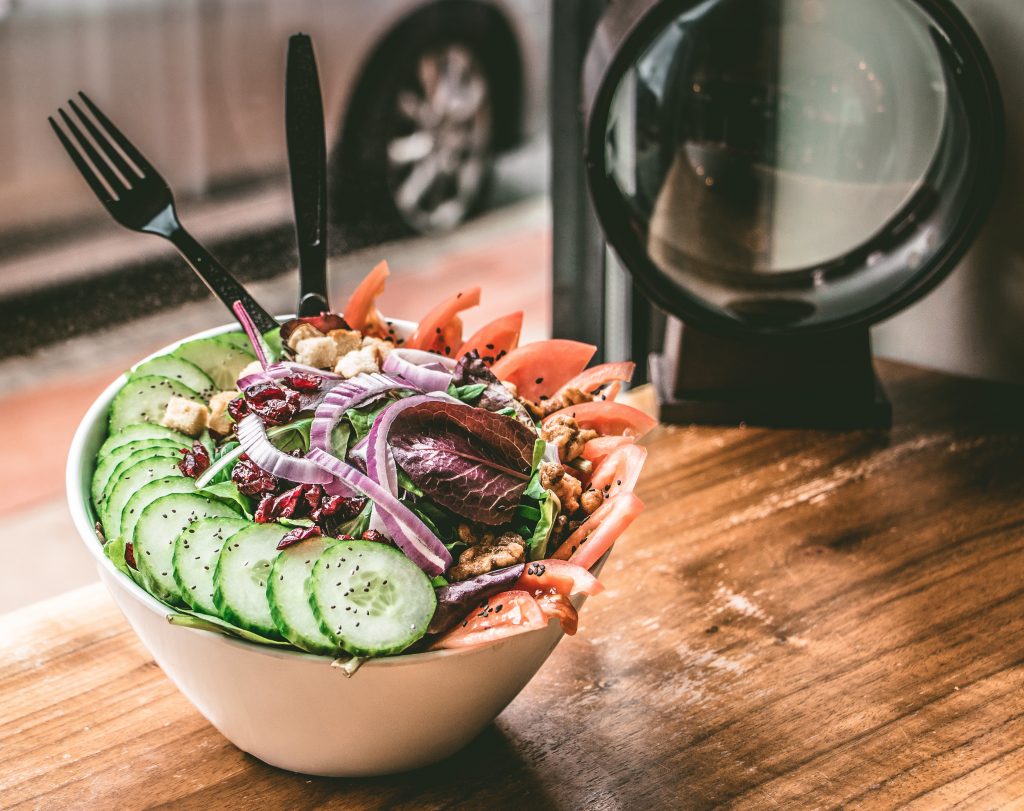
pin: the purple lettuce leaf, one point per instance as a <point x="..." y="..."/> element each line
<point x="471" y="369"/>
<point x="469" y="460"/>
<point x="454" y="601"/>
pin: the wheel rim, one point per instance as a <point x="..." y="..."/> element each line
<point x="440" y="153"/>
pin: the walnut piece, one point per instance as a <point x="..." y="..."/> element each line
<point x="564" y="399"/>
<point x="486" y="553"/>
<point x="565" y="434"/>
<point x="564" y="485"/>
<point x="591" y="500"/>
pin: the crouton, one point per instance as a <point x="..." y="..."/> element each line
<point x="348" y="340"/>
<point x="186" y="416"/>
<point x="253" y="368"/>
<point x="363" y="361"/>
<point x="301" y="333"/>
<point x="380" y="348"/>
<point x="219" y="421"/>
<point x="319" y="352"/>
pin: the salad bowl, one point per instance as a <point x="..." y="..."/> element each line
<point x="300" y="711"/>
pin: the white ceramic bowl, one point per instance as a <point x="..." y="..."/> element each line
<point x="294" y="710"/>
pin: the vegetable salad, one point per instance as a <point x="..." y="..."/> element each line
<point x="346" y="486"/>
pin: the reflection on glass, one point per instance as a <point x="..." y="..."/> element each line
<point x="760" y="139"/>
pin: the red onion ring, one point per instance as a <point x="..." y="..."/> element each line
<point x="406" y="529"/>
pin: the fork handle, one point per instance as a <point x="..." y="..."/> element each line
<point x="220" y="282"/>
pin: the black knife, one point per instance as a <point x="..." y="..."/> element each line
<point x="307" y="164"/>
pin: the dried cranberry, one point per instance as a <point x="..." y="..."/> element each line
<point x="375" y="535"/>
<point x="252" y="479"/>
<point x="338" y="507"/>
<point x="129" y="555"/>
<point x="238" y="409"/>
<point x="264" y="512"/>
<point x="289" y="504"/>
<point x="301" y="381"/>
<point x="194" y="461"/>
<point x="298" y="534"/>
<point x="312" y="493"/>
<point x="272" y="403"/>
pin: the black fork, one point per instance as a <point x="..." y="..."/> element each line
<point x="139" y="198"/>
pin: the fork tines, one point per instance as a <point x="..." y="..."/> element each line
<point x="120" y="167"/>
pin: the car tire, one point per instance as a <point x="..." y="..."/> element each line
<point x="417" y="155"/>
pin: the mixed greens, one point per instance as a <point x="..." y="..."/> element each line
<point x="343" y="486"/>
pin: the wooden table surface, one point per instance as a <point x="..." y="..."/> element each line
<point x="800" y="619"/>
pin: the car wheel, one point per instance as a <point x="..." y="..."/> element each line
<point x="420" y="145"/>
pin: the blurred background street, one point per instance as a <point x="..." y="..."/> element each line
<point x="438" y="162"/>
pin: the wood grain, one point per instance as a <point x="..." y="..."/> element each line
<point x="800" y="619"/>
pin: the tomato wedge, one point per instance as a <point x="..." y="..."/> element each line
<point x="599" y="447"/>
<point x="558" y="607"/>
<point x="361" y="311"/>
<point x="604" y="374"/>
<point x="540" y="368"/>
<point x="495" y="340"/>
<point x="608" y="418"/>
<point x="440" y="330"/>
<point x="558" y="577"/>
<point x="619" y="471"/>
<point x="595" y="536"/>
<point x="505" y="614"/>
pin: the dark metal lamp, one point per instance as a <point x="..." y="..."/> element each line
<point x="776" y="176"/>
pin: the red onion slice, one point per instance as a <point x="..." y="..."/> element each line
<point x="380" y="462"/>
<point x="276" y="371"/>
<point x="252" y="436"/>
<point x="426" y="371"/>
<point x="251" y="332"/>
<point x="408" y="532"/>
<point x="341" y="398"/>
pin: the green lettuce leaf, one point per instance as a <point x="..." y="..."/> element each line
<point x="228" y="491"/>
<point x="537" y="543"/>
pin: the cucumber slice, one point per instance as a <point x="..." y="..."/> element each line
<point x="146" y="495"/>
<point x="133" y="478"/>
<point x="161" y="522"/>
<point x="239" y="340"/>
<point x="138" y="431"/>
<point x="195" y="558"/>
<point x="144" y="399"/>
<point x="370" y="597"/>
<point x="177" y="369"/>
<point x="105" y="466"/>
<point x="240" y="579"/>
<point x="286" y="592"/>
<point x="131" y="460"/>
<point x="218" y="358"/>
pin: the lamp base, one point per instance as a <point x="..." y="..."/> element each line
<point x="818" y="381"/>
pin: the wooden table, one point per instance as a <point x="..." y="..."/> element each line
<point x="800" y="619"/>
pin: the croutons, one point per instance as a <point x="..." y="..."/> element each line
<point x="321" y="352"/>
<point x="301" y="333"/>
<point x="253" y="368"/>
<point x="347" y="340"/>
<point x="363" y="361"/>
<point x="186" y="416"/>
<point x="381" y="349"/>
<point x="219" y="421"/>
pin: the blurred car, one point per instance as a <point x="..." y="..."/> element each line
<point x="419" y="97"/>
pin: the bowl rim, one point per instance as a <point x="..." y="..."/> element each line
<point x="85" y="525"/>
